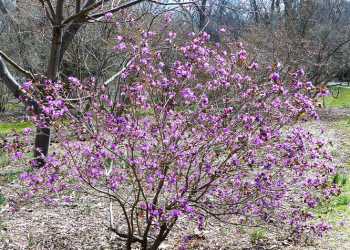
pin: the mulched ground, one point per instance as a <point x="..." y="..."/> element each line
<point x="332" y="114"/>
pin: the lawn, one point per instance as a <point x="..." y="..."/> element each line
<point x="341" y="100"/>
<point x="337" y="210"/>
<point x="6" y="128"/>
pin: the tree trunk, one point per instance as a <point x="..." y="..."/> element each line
<point x="272" y="11"/>
<point x="43" y="134"/>
<point x="73" y="29"/>
<point x="59" y="43"/>
<point x="202" y="15"/>
<point x="255" y="9"/>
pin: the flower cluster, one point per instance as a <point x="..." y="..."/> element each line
<point x="196" y="132"/>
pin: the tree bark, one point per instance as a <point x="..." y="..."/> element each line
<point x="43" y="134"/>
<point x="73" y="29"/>
<point x="255" y="9"/>
<point x="202" y="15"/>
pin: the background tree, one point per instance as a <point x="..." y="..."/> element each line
<point x="64" y="19"/>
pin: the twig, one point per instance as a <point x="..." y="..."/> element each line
<point x="119" y="72"/>
<point x="111" y="213"/>
<point x="174" y="3"/>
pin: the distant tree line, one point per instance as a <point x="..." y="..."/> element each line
<point x="74" y="38"/>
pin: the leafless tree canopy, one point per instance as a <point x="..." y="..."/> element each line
<point x="54" y="39"/>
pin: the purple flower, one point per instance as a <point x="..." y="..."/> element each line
<point x="175" y="213"/>
<point x="242" y="55"/>
<point x="108" y="16"/>
<point x="188" y="95"/>
<point x="17" y="156"/>
<point x="27" y="131"/>
<point x="172" y="35"/>
<point x="275" y="77"/>
<point x="27" y="85"/>
<point x="120" y="47"/>
<point x="200" y="135"/>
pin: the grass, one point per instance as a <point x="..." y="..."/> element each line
<point x="6" y="128"/>
<point x="15" y="106"/>
<point x="2" y="200"/>
<point x="337" y="210"/>
<point x="258" y="235"/>
<point x="338" y="101"/>
<point x="3" y="159"/>
<point x="11" y="176"/>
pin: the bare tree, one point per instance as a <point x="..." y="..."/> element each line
<point x="63" y="30"/>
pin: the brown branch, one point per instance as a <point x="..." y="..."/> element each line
<point x="77" y="6"/>
<point x="82" y="13"/>
<point x="49" y="15"/>
<point x="51" y="10"/>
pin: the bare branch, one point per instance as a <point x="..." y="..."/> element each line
<point x="16" y="66"/>
<point x="77" y="21"/>
<point x="51" y="10"/>
<point x="119" y="72"/>
<point x="83" y="13"/>
<point x="77" y="6"/>
<point x="116" y="9"/>
<point x="176" y="3"/>
<point x="49" y="16"/>
<point x="3" y="8"/>
<point x="14" y="86"/>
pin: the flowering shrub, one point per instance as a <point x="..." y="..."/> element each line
<point x="198" y="131"/>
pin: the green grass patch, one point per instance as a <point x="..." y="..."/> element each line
<point x="337" y="209"/>
<point x="3" y="159"/>
<point x="341" y="100"/>
<point x="14" y="106"/>
<point x="144" y="113"/>
<point x="2" y="200"/>
<point x="258" y="235"/>
<point x="343" y="200"/>
<point x="12" y="176"/>
<point x="6" y="128"/>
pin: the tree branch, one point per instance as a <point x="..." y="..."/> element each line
<point x="51" y="10"/>
<point x="16" y="66"/>
<point x="72" y="30"/>
<point x="116" y="9"/>
<point x="167" y="4"/>
<point x="90" y="5"/>
<point x="77" y="21"/>
<point x="14" y="86"/>
<point x="119" y="72"/>
<point x="3" y="8"/>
